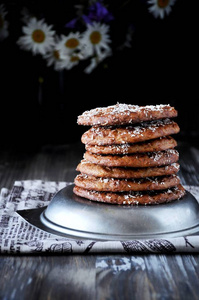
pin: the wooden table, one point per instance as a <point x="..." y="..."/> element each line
<point x="101" y="276"/>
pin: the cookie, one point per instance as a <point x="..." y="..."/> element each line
<point x="129" y="134"/>
<point x="85" y="167"/>
<point x="130" y="155"/>
<point x="123" y="185"/>
<point x="136" y="160"/>
<point x="133" y="198"/>
<point x="162" y="143"/>
<point x="121" y="114"/>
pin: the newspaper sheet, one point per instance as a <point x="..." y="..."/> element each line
<point x="18" y="236"/>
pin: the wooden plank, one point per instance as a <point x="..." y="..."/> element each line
<point x="51" y="162"/>
<point x="47" y="277"/>
<point x="147" y="277"/>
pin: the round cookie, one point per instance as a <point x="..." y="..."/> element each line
<point x="129" y="134"/>
<point x="85" y="167"/>
<point x="162" y="143"/>
<point x="133" y="198"/>
<point x="136" y="160"/>
<point x="121" y="113"/>
<point x="124" y="185"/>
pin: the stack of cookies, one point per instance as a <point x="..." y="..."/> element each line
<point x="130" y="155"/>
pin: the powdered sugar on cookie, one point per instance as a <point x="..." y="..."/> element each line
<point x="122" y="113"/>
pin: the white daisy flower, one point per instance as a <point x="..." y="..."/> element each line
<point x="69" y="44"/>
<point x="96" y="39"/>
<point x="70" y="61"/>
<point x="38" y="38"/>
<point x="3" y="23"/>
<point x="160" y="7"/>
<point x="53" y="56"/>
<point x="53" y="59"/>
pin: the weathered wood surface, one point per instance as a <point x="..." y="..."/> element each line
<point x="110" y="277"/>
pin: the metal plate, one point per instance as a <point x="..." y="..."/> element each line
<point x="70" y="215"/>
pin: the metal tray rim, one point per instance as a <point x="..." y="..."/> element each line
<point x="70" y="232"/>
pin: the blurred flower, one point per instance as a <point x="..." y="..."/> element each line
<point x="3" y="23"/>
<point x="160" y="7"/>
<point x="76" y="22"/>
<point x="69" y="44"/>
<point x="90" y="39"/>
<point x="96" y="12"/>
<point x="70" y="61"/>
<point x="99" y="13"/>
<point x="72" y="23"/>
<point x="96" y="39"/>
<point x="53" y="57"/>
<point x="38" y="37"/>
<point x="69" y="49"/>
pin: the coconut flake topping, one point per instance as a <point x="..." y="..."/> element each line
<point x="123" y="108"/>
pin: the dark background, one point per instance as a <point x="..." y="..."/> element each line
<point x="161" y="67"/>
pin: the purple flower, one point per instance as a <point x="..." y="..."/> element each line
<point x="98" y="12"/>
<point x="72" y="23"/>
<point x="86" y="19"/>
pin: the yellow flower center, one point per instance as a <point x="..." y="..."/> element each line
<point x="95" y="37"/>
<point x="163" y="3"/>
<point x="1" y="21"/>
<point x="38" y="36"/>
<point x="72" y="43"/>
<point x="56" y="54"/>
<point x="74" y="58"/>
